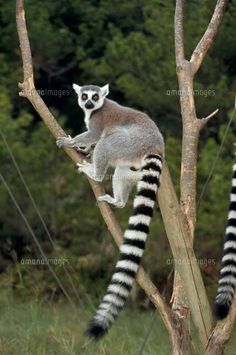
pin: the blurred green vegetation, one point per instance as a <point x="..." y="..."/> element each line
<point x="130" y="45"/>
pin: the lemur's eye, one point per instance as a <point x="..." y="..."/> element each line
<point x="95" y="97"/>
<point x="84" y="97"/>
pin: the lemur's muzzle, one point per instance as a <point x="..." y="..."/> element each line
<point x="89" y="104"/>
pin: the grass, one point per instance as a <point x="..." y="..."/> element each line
<point x="38" y="329"/>
<point x="32" y="328"/>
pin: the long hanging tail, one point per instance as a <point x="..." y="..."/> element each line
<point x="227" y="282"/>
<point x="131" y="250"/>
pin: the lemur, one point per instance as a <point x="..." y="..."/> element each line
<point x="129" y="141"/>
<point x="227" y="282"/>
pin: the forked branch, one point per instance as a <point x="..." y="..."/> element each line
<point x="191" y="129"/>
<point x="207" y="39"/>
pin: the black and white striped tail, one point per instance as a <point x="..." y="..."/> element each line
<point x="131" y="250"/>
<point x="227" y="282"/>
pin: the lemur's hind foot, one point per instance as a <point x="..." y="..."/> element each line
<point x="112" y="201"/>
<point x="88" y="169"/>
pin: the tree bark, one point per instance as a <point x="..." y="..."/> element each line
<point x="185" y="263"/>
<point x="191" y="129"/>
<point x="221" y="333"/>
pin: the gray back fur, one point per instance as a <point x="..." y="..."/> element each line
<point x="128" y="133"/>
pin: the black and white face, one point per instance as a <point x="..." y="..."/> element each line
<point x="91" y="97"/>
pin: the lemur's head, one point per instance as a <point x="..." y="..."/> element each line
<point x="91" y="97"/>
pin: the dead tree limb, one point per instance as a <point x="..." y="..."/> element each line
<point x="186" y="266"/>
<point x="180" y="308"/>
<point x="186" y="70"/>
<point x="221" y="333"/>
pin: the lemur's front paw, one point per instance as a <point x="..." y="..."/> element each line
<point x="63" y="141"/>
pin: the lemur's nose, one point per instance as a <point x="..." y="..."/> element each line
<point x="89" y="104"/>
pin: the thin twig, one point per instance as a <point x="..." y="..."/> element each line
<point x="203" y="121"/>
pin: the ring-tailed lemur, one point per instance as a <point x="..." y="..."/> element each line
<point x="227" y="282"/>
<point x="131" y="142"/>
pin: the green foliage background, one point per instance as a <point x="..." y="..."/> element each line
<point x="130" y="45"/>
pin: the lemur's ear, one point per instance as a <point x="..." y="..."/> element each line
<point x="77" y="88"/>
<point x="105" y="90"/>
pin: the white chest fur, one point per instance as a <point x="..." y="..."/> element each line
<point x="87" y="114"/>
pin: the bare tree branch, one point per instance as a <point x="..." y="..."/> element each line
<point x="24" y="41"/>
<point x="191" y="129"/>
<point x="185" y="263"/>
<point x="179" y="33"/>
<point x="221" y="333"/>
<point x="207" y="39"/>
<point x="180" y="305"/>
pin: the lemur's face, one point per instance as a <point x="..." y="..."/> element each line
<point x="91" y="97"/>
